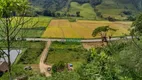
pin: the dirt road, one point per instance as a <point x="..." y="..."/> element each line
<point x="43" y="67"/>
<point x="64" y="40"/>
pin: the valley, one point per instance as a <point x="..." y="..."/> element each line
<point x="70" y="39"/>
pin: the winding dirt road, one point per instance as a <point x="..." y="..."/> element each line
<point x="43" y="67"/>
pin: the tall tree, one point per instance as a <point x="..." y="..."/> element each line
<point x="78" y="13"/>
<point x="58" y="15"/>
<point x="136" y="27"/>
<point x="12" y="22"/>
<point x="102" y="31"/>
<point x="136" y="30"/>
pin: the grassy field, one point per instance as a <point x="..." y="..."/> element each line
<point x="30" y="51"/>
<point x="40" y="21"/>
<point x="114" y="8"/>
<point x="82" y="28"/>
<point x="86" y="10"/>
<point x="68" y="52"/>
<point x="30" y="56"/>
<point x="39" y="28"/>
<point x="34" y="27"/>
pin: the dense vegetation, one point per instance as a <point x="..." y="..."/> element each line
<point x="69" y="52"/>
<point x="119" y="60"/>
<point x="59" y="4"/>
<point x="119" y="9"/>
<point x="18" y="70"/>
<point x="31" y="52"/>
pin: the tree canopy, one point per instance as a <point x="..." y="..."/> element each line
<point x="136" y="27"/>
<point x="12" y="20"/>
<point x="101" y="30"/>
<point x="9" y="7"/>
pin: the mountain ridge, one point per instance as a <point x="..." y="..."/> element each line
<point x="121" y="7"/>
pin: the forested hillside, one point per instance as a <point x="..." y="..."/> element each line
<point x="117" y="8"/>
<point x="52" y="5"/>
<point x="59" y="4"/>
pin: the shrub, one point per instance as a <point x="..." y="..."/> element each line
<point x="72" y="20"/>
<point x="131" y="18"/>
<point x="127" y="12"/>
<point x="58" y="67"/>
<point x="51" y="49"/>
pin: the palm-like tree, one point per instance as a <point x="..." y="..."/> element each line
<point x="102" y="31"/>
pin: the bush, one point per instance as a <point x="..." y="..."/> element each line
<point x="51" y="49"/>
<point x="131" y="18"/>
<point x="58" y="67"/>
<point x="72" y="20"/>
<point x="111" y="19"/>
<point x="32" y="53"/>
<point x="17" y="71"/>
<point x="127" y="12"/>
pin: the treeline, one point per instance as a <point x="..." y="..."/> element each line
<point x="56" y="14"/>
<point x="52" y="5"/>
<point x="137" y="4"/>
<point x="56" y="5"/>
<point x="92" y="2"/>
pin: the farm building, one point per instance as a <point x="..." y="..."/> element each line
<point x="3" y="66"/>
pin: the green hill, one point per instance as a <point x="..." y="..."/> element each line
<point x="116" y="8"/>
<point x="88" y="8"/>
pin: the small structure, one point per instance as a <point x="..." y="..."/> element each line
<point x="70" y="67"/>
<point x="3" y="67"/>
<point x="49" y="69"/>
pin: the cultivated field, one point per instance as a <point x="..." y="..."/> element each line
<point x="36" y="26"/>
<point x="82" y="28"/>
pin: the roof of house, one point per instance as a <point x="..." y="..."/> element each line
<point x="3" y="66"/>
<point x="1" y="62"/>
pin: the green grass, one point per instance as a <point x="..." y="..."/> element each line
<point x="32" y="54"/>
<point x="34" y="28"/>
<point x="40" y="21"/>
<point x="31" y="51"/>
<point x="40" y="27"/>
<point x="19" y="56"/>
<point x="68" y="52"/>
<point x="86" y="10"/>
<point x="44" y="21"/>
<point x="32" y="33"/>
<point x="18" y="70"/>
<point x="22" y="44"/>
